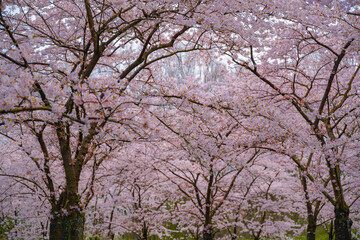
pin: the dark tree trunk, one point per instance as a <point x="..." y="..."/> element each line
<point x="55" y="228"/>
<point x="234" y="234"/>
<point x="342" y="223"/>
<point x="311" y="228"/>
<point x="145" y="232"/>
<point x="70" y="227"/>
<point x="111" y="235"/>
<point x="311" y="213"/>
<point x="68" y="220"/>
<point x="331" y="231"/>
<point x="208" y="234"/>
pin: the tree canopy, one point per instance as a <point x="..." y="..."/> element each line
<point x="182" y="119"/>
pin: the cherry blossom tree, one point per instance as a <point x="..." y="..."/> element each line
<point x="308" y="59"/>
<point x="207" y="150"/>
<point x="85" y="104"/>
<point x="269" y="204"/>
<point x="138" y="195"/>
<point x="67" y="72"/>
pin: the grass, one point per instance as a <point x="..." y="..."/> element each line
<point x="321" y="234"/>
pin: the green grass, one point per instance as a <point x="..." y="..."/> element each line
<point x="321" y="234"/>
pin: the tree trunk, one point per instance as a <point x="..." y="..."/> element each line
<point x="145" y="232"/>
<point x="331" y="230"/>
<point x="68" y="220"/>
<point x="111" y="235"/>
<point x="55" y="228"/>
<point x="342" y="223"/>
<point x="234" y="234"/>
<point x="67" y="227"/>
<point x="311" y="228"/>
<point x="208" y="234"/>
<point x="311" y="214"/>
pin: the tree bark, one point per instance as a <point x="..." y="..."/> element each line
<point x="342" y="223"/>
<point x="68" y="220"/>
<point x="234" y="234"/>
<point x="342" y="220"/>
<point x="331" y="230"/>
<point x="311" y="214"/>
<point x="208" y="234"/>
<point x="67" y="227"/>
<point x="145" y="232"/>
<point x="311" y="228"/>
<point x="55" y="228"/>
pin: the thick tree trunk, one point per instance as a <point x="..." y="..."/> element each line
<point x="55" y="228"/>
<point x="311" y="229"/>
<point x="67" y="227"/>
<point x="342" y="223"/>
<point x="68" y="220"/>
<point x="208" y="234"/>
